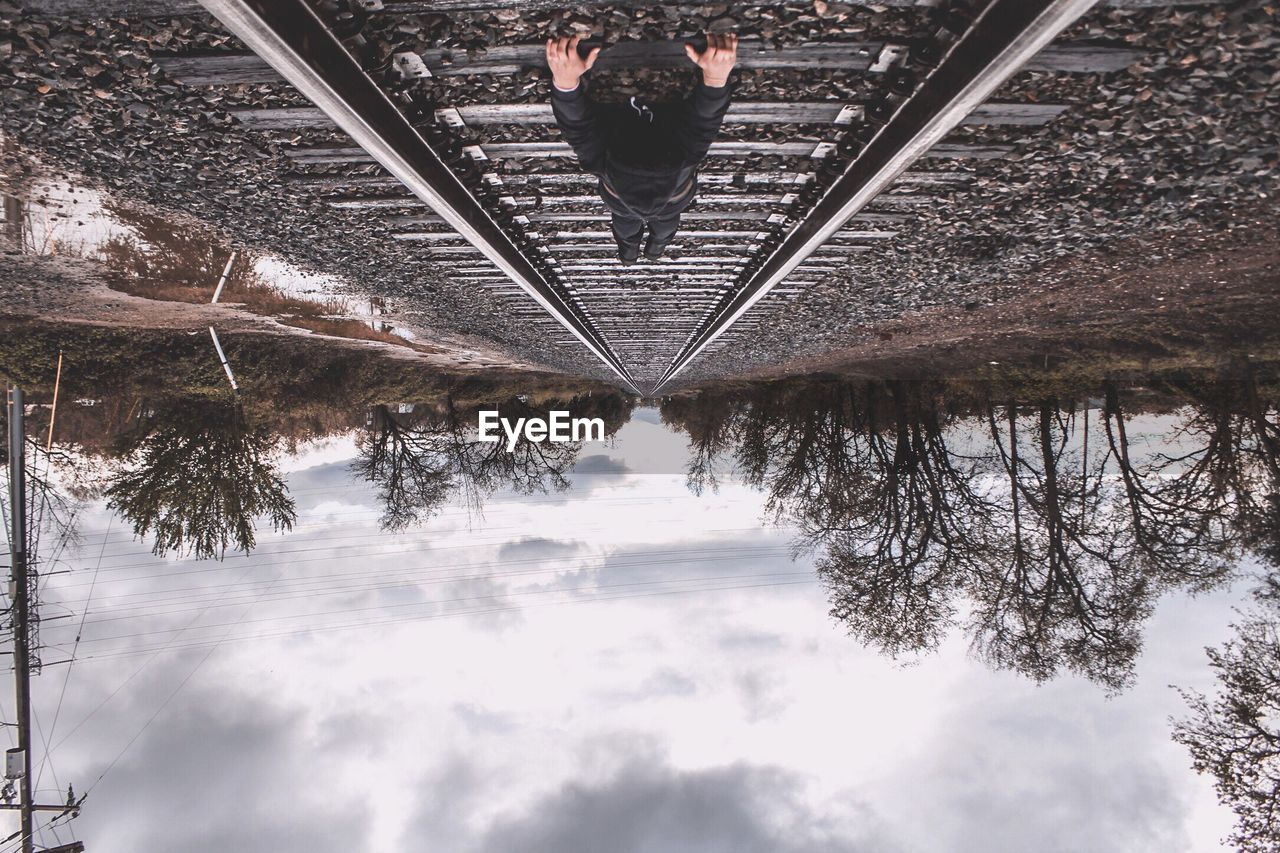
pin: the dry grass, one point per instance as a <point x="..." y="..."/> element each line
<point x="347" y="328"/>
<point x="164" y="261"/>
<point x="258" y="298"/>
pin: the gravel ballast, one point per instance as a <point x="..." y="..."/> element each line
<point x="1184" y="141"/>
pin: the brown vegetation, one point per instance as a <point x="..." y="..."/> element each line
<point x="179" y="263"/>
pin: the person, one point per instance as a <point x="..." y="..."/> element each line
<point x="645" y="157"/>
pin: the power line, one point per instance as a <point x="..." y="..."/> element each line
<point x="21" y="841"/>
<point x="164" y="704"/>
<point x="384" y="539"/>
<point x="121" y="685"/>
<point x="67" y="677"/>
<point x="435" y="602"/>
<point x="373" y="511"/>
<point x="44" y="740"/>
<point x="172" y="644"/>
<point x="321" y="584"/>
<point x="227" y="567"/>
<point x="323" y="592"/>
<point x="427" y="618"/>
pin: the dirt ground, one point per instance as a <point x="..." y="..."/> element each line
<point x="1199" y="298"/>
<point x="74" y="290"/>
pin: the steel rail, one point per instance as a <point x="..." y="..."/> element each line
<point x="292" y="39"/>
<point x="1005" y="36"/>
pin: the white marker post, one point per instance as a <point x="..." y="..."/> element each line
<point x="223" y="358"/>
<point x="226" y="271"/>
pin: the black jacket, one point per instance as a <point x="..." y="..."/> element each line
<point x="646" y="158"/>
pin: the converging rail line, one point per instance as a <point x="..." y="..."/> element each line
<point x="789" y="193"/>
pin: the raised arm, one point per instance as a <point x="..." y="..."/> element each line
<point x="574" y="112"/>
<point x="711" y="97"/>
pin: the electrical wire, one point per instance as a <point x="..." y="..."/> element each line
<point x="163" y="572"/>
<point x="67" y="677"/>
<point x="17" y="844"/>
<point x="163" y="705"/>
<point x="434" y="602"/>
<point x="308" y="630"/>
<point x="44" y="740"/>
<point x="371" y="511"/>
<point x="122" y="684"/>
<point x="371" y="581"/>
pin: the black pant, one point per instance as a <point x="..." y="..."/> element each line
<point x="628" y="229"/>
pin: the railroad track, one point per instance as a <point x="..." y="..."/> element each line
<point x="793" y="189"/>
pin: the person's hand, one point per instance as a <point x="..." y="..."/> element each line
<point x="566" y="65"/>
<point x="717" y="60"/>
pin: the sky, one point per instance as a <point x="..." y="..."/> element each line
<point x="625" y="667"/>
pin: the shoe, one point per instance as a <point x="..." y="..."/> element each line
<point x="628" y="261"/>
<point x="629" y="257"/>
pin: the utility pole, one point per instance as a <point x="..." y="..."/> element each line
<point x="18" y="596"/>
<point x="18" y="759"/>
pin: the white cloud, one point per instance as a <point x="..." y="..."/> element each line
<point x="583" y="671"/>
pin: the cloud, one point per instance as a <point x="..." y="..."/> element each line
<point x="537" y="548"/>
<point x="714" y="556"/>
<point x="441" y="819"/>
<point x="329" y="482"/>
<point x="222" y="773"/>
<point x="488" y="602"/>
<point x="658" y="809"/>
<point x="600" y="463"/>
<point x="662" y="683"/>
<point x="1011" y="773"/>
<point x="668" y="682"/>
<point x="761" y="695"/>
<point x="751" y="641"/>
<point x="481" y="720"/>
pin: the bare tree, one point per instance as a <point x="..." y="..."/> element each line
<point x="1179" y="519"/>
<point x="412" y="484"/>
<point x="1062" y="589"/>
<point x="419" y="462"/>
<point x="1234" y="735"/>
<point x="710" y="419"/>
<point x="1059" y="545"/>
<point x="59" y="482"/>
<point x="56" y="487"/>
<point x="907" y="527"/>
<point x="866" y="473"/>
<point x="1263" y="531"/>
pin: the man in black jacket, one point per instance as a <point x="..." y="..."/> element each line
<point x="646" y="158"/>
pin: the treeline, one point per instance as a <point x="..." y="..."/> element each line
<point x="1043" y="525"/>
<point x="147" y="420"/>
<point x="1045" y="529"/>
